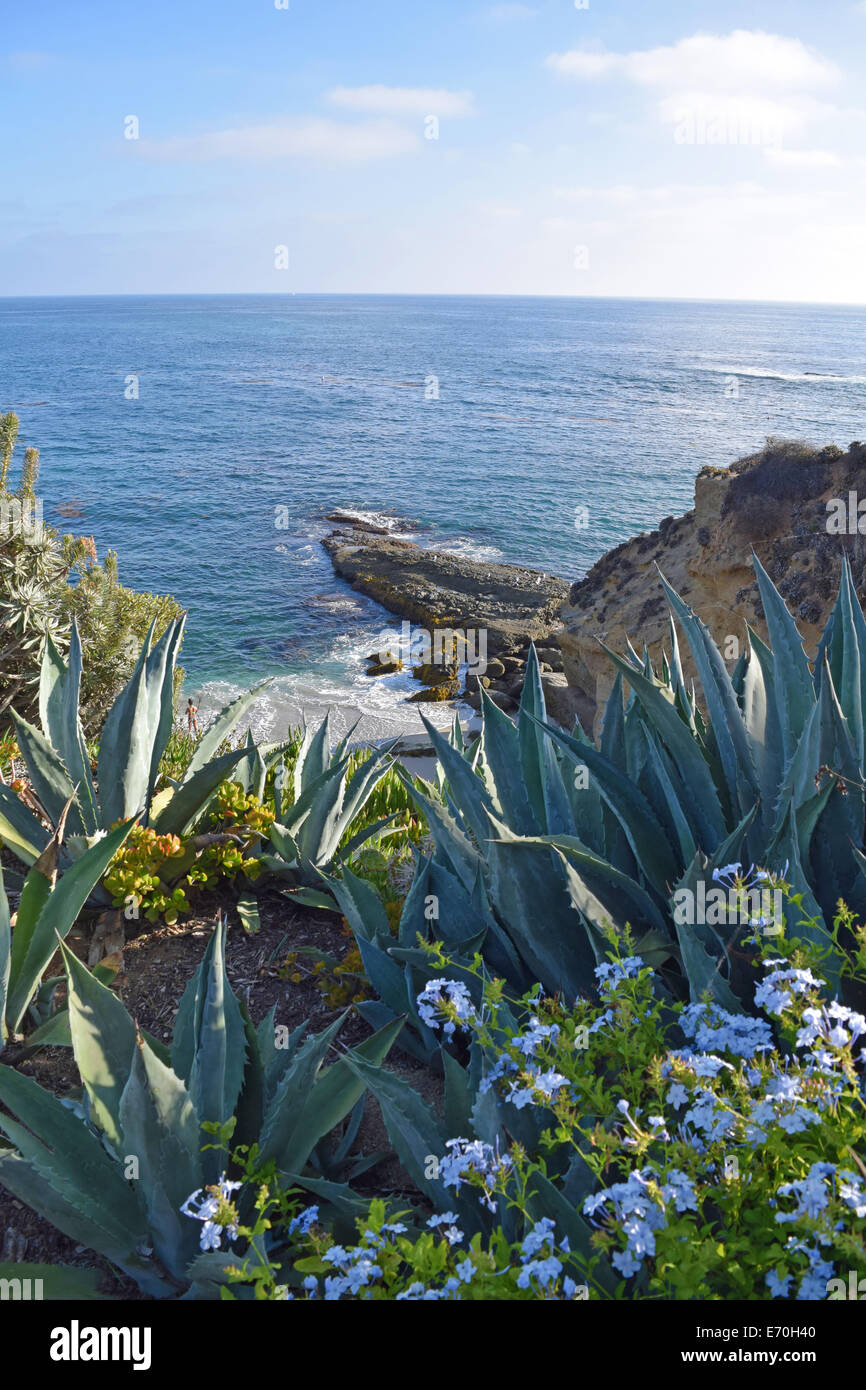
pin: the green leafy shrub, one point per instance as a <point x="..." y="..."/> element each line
<point x="47" y="581"/>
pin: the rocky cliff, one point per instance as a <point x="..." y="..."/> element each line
<point x="796" y="507"/>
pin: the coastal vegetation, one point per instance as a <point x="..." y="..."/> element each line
<point x="573" y="1017"/>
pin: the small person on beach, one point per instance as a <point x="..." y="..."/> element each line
<point x="191" y="721"/>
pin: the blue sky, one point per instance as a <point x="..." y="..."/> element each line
<point x="700" y="149"/>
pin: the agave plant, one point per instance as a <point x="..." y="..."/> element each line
<point x="47" y="909"/>
<point x="114" y="1170"/>
<point x="309" y="836"/>
<point x="132" y="743"/>
<point x="557" y="840"/>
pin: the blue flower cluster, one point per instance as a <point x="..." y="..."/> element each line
<point x="776" y="992"/>
<point x="533" y="1085"/>
<point x="301" y="1225"/>
<point x="540" y="1266"/>
<point x="832" y="1024"/>
<point x="212" y="1231"/>
<point x="713" y="1028"/>
<point x="439" y="999"/>
<point x="611" y="975"/>
<point x="639" y="1211"/>
<point x="473" y="1156"/>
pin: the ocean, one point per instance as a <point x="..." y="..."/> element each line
<point x="204" y="438"/>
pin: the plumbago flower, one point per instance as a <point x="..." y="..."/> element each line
<point x="435" y="1266"/>
<point x="712" y="1137"/>
<point x="446" y="1004"/>
<point x="717" y="1155"/>
<point x="217" y="1212"/>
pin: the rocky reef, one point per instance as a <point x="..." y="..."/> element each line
<point x="436" y="590"/>
<point x="780" y="503"/>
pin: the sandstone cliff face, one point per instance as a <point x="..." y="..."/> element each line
<point x="774" y="502"/>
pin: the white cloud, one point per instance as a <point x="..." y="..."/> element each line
<point x="302" y="138"/>
<point x="403" y="101"/>
<point x="744" y="61"/>
<point x="759" y="88"/>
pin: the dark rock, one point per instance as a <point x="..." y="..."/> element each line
<point x="384" y="668"/>
<point x="447" y="690"/>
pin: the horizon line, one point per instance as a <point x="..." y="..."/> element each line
<point x="430" y="294"/>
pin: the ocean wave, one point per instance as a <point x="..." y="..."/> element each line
<point x="338" y="685"/>
<point x="768" y="374"/>
<point x="468" y="549"/>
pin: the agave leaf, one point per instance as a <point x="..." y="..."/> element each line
<point x="598" y="871"/>
<point x="334" y="1093"/>
<point x="220" y="729"/>
<point x="319" y="804"/>
<point x="34" y="895"/>
<point x="361" y="906"/>
<point x="286" y="1107"/>
<point x="126" y="745"/>
<point x="541" y="772"/>
<point x="612" y="742"/>
<point x="57" y="917"/>
<point x="597" y="921"/>
<point x="63" y="1152"/>
<point x="416" y="1136"/>
<point x="351" y="847"/>
<point x="5" y="958"/>
<point x="58" y="1281"/>
<point x="501" y="751"/>
<point x="473" y="799"/>
<point x="725" y="717"/>
<point x="87" y="1220"/>
<point x="362" y="782"/>
<point x="191" y="797"/>
<point x="453" y="846"/>
<point x="103" y="1040"/>
<point x="20" y="830"/>
<point x="313" y="757"/>
<point x="161" y="668"/>
<point x="219" y="1059"/>
<point x="59" y="688"/>
<point x="48" y="774"/>
<point x="529" y="888"/>
<point x="645" y="836"/>
<point x="684" y="749"/>
<point x="669" y="800"/>
<point x="760" y="715"/>
<point x="794" y="689"/>
<point x="160" y="1128"/>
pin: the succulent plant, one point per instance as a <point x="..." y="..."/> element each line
<point x="47" y="909"/>
<point x="553" y="840"/>
<point x="308" y="837"/>
<point x="113" y="1170"/>
<point x="132" y="742"/>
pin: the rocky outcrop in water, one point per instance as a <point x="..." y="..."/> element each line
<point x="435" y="590"/>
<point x="778" y="503"/>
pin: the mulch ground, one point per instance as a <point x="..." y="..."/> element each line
<point x="158" y="961"/>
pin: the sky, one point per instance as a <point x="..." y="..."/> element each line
<point x="615" y="147"/>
